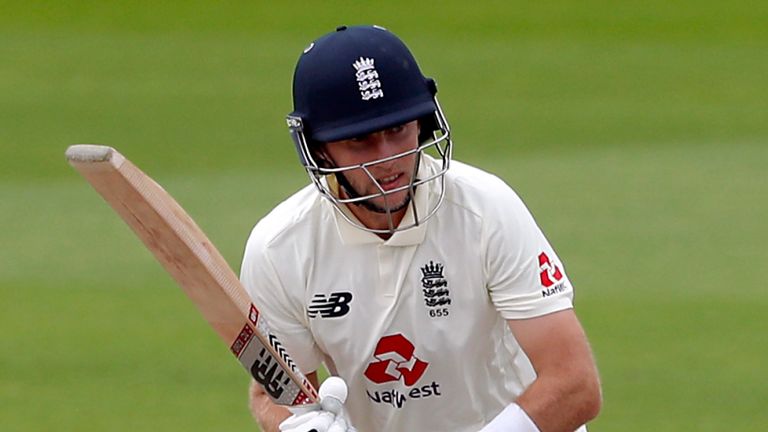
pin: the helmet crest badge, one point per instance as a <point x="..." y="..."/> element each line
<point x="368" y="79"/>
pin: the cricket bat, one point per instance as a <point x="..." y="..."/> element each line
<point x="197" y="266"/>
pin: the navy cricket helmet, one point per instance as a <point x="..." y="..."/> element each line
<point x="356" y="81"/>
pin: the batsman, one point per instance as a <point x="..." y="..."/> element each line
<point x="422" y="282"/>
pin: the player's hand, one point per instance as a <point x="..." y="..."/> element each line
<point x="330" y="415"/>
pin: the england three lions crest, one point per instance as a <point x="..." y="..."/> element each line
<point x="435" y="289"/>
<point x="367" y="79"/>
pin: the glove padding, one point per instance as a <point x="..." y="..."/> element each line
<point x="328" y="416"/>
<point x="317" y="421"/>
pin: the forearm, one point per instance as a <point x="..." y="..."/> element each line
<point x="562" y="403"/>
<point x="566" y="393"/>
<point x="264" y="411"/>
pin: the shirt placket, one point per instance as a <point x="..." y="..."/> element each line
<point x="387" y="284"/>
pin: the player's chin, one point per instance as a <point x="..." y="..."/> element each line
<point x="392" y="202"/>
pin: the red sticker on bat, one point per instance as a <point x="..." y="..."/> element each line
<point x="301" y="399"/>
<point x="253" y="314"/>
<point x="245" y="336"/>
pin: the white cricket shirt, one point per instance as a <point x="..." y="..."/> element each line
<point x="414" y="324"/>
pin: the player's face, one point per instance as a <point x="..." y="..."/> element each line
<point x="389" y="175"/>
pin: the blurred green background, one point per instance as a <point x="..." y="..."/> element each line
<point x="637" y="132"/>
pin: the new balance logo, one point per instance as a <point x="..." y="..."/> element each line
<point x="332" y="306"/>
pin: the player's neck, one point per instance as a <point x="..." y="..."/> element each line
<point x="375" y="220"/>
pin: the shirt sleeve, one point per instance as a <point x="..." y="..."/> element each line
<point x="282" y="308"/>
<point x="525" y="276"/>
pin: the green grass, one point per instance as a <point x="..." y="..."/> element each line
<point x="635" y="132"/>
<point x="663" y="288"/>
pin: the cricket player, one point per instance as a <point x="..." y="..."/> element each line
<point x="424" y="283"/>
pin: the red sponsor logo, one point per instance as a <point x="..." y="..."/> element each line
<point x="550" y="274"/>
<point x="395" y="361"/>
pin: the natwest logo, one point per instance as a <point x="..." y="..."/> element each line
<point x="550" y="273"/>
<point x="551" y="276"/>
<point x="395" y="361"/>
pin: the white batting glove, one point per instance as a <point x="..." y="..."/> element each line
<point x="330" y="415"/>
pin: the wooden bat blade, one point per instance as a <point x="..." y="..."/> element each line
<point x="184" y="250"/>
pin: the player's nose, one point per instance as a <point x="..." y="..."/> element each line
<point x="383" y="146"/>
